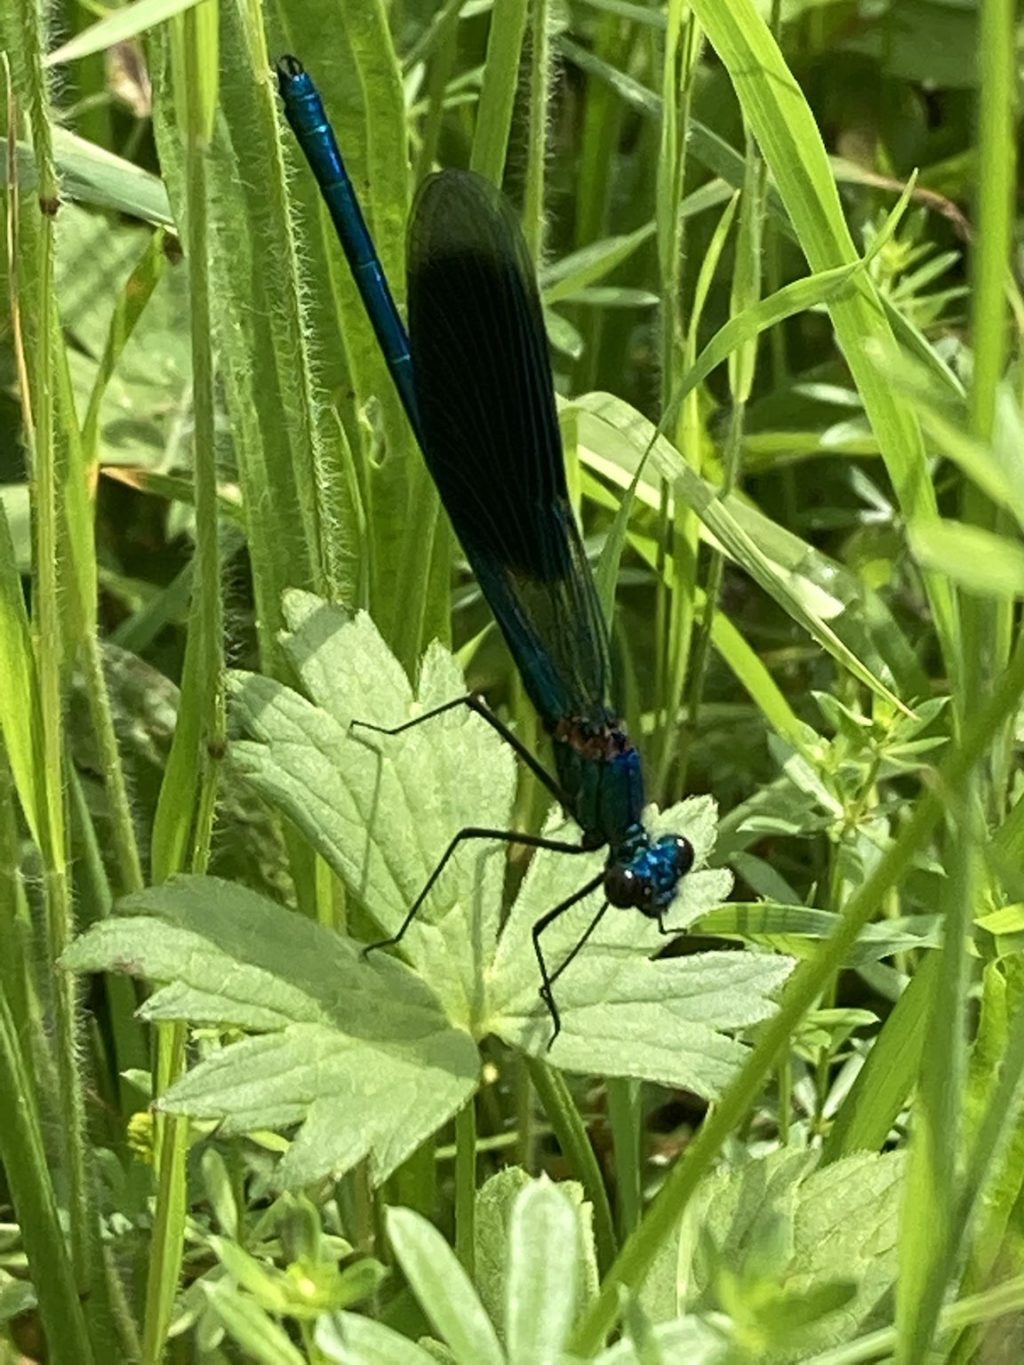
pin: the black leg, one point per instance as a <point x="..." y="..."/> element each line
<point x="547" y="981"/>
<point x="480" y="708"/>
<point x="471" y="832"/>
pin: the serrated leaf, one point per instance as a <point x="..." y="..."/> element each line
<point x="624" y="1013"/>
<point x="366" y="1056"/>
<point x="357" y="1052"/>
<point x="382" y="809"/>
<point x="841" y="1224"/>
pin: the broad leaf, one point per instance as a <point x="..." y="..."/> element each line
<point x="802" y="1259"/>
<point x="382" y="809"/>
<point x="356" y="1052"/>
<point x="366" y="1055"/>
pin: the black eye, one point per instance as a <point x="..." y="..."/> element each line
<point x="684" y="855"/>
<point x="626" y="889"/>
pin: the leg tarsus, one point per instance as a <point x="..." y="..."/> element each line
<point x="548" y="979"/>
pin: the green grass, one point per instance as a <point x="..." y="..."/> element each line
<point x="777" y="258"/>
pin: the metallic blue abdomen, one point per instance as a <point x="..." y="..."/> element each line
<point x="600" y="772"/>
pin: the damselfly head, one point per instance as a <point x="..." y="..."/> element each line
<point x="647" y="881"/>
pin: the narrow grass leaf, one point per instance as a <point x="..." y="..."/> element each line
<point x="498" y="89"/>
<point x="19" y="697"/>
<point x="123" y="24"/>
<point x="780" y="118"/>
<point x="619" y="435"/>
<point x="982" y="562"/>
<point x="565" y="278"/>
<point x="795" y="929"/>
<point x="91" y="175"/>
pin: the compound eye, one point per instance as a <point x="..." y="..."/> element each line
<point x="626" y="889"/>
<point x="684" y="855"/>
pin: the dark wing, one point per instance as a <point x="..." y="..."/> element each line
<point x="491" y="440"/>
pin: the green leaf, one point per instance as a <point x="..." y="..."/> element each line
<point x="345" y="1041"/>
<point x="496" y="1211"/>
<point x="495" y="1201"/>
<point x="443" y="1289"/>
<point x="20" y="720"/>
<point x="382" y="809"/>
<point x="562" y="279"/>
<point x="624" y="1013"/>
<point x="127" y="310"/>
<point x="92" y="175"/>
<point x="691" y="1339"/>
<point x="980" y="561"/>
<point x="357" y="1052"/>
<point x="805" y="1257"/>
<point x="797" y="929"/>
<point x="118" y="27"/>
<point x="16" y="1297"/>
<point x="348" y="1339"/>
<point x="540" y="1306"/>
<point x="259" y="1336"/>
<point x="779" y="117"/>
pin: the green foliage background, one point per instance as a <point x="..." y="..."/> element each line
<point x="778" y="248"/>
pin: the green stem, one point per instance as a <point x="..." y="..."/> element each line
<point x="171" y="1149"/>
<point x="540" y="85"/>
<point x="985" y="1307"/>
<point x="49" y="553"/>
<point x="196" y="744"/>
<point x="572" y="1137"/>
<point x="125" y="846"/>
<point x="28" y="1173"/>
<point x="498" y="89"/>
<point x="465" y="1186"/>
<point x="625" y="1114"/>
<point x="526" y="1132"/>
<point x="442" y="63"/>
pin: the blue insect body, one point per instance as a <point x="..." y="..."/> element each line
<point x="490" y="437"/>
<point x="305" y="113"/>
<point x="483" y="410"/>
